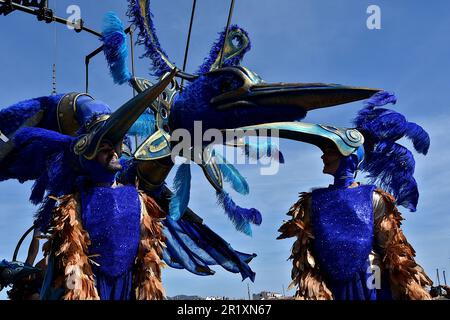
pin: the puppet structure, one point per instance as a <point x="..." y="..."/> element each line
<point x="58" y="133"/>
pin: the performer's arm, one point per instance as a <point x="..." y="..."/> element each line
<point x="305" y="273"/>
<point x="407" y="278"/>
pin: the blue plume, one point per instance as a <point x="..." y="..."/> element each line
<point x="182" y="189"/>
<point x="419" y="137"/>
<point x="389" y="164"/>
<point x="147" y="36"/>
<point x="263" y="148"/>
<point x="54" y="167"/>
<point x="384" y="124"/>
<point x="13" y="117"/>
<point x="217" y="47"/>
<point x="232" y="175"/>
<point x="144" y="125"/>
<point x="380" y="99"/>
<point x="115" y="48"/>
<point x="391" y="167"/>
<point x="32" y="143"/>
<point x="240" y="217"/>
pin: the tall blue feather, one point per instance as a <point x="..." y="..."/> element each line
<point x="115" y="48"/>
<point x="240" y="217"/>
<point x="232" y="175"/>
<point x="389" y="164"/>
<point x="181" y="193"/>
<point x="144" y="125"/>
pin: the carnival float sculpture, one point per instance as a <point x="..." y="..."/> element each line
<point x="75" y="139"/>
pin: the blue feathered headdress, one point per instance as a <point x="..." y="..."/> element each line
<point x="389" y="164"/>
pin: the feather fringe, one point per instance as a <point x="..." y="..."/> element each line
<point x="240" y="217"/>
<point x="408" y="280"/>
<point x="391" y="167"/>
<point x="147" y="276"/>
<point x="144" y="125"/>
<point x="388" y="164"/>
<point x="305" y="273"/>
<point x="115" y="48"/>
<point x="147" y="37"/>
<point x="70" y="244"/>
<point x="232" y="175"/>
<point x="182" y="189"/>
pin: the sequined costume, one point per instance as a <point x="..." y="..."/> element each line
<point x="58" y="132"/>
<point x="349" y="244"/>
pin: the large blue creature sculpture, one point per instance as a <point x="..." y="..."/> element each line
<point x="222" y="95"/>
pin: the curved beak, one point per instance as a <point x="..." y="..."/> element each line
<point x="347" y="140"/>
<point x="117" y="125"/>
<point x="305" y="96"/>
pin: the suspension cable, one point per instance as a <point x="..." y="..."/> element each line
<point x="186" y="51"/>
<point x="230" y="14"/>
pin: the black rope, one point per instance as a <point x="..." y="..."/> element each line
<point x="16" y="251"/>
<point x="186" y="51"/>
<point x="230" y="14"/>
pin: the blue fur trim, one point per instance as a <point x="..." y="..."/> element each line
<point x="144" y="125"/>
<point x="217" y="47"/>
<point x="13" y="117"/>
<point x="115" y="48"/>
<point x="240" y="217"/>
<point x="182" y="189"/>
<point x="232" y="175"/>
<point x="147" y="37"/>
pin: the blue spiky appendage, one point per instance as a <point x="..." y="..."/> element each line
<point x="115" y="48"/>
<point x="389" y="164"/>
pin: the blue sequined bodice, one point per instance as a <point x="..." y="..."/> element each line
<point x="111" y="216"/>
<point x="342" y="222"/>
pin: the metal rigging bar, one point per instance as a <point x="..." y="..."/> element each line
<point x="100" y="49"/>
<point x="44" y="14"/>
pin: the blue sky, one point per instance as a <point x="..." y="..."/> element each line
<point x="293" y="40"/>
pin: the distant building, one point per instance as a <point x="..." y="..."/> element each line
<point x="184" y="297"/>
<point x="217" y="298"/>
<point x="267" y="295"/>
